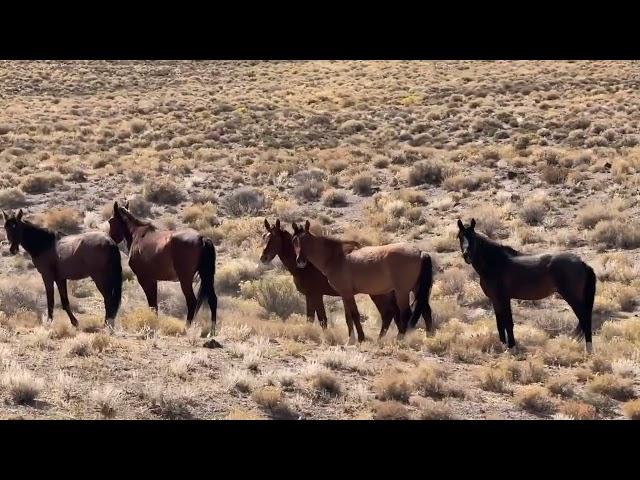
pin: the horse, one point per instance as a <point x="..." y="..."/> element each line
<point x="506" y="273"/>
<point x="73" y="257"/>
<point x="310" y="282"/>
<point x="397" y="268"/>
<point x="166" y="255"/>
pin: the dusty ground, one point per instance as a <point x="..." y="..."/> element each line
<point x="544" y="155"/>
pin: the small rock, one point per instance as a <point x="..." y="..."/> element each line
<point x="607" y="165"/>
<point x="213" y="343"/>
<point x="511" y="174"/>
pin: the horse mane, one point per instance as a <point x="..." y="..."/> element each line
<point x="135" y="221"/>
<point x="495" y="251"/>
<point x="39" y="238"/>
<point x="347" y="246"/>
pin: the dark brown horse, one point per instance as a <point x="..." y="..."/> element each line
<point x="73" y="257"/>
<point x="312" y="283"/>
<point x="506" y="273"/>
<point x="165" y="255"/>
<point x="397" y="269"/>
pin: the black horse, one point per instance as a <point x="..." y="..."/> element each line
<point x="506" y="273"/>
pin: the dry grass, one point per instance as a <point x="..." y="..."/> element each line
<point x="390" y="410"/>
<point x="21" y="384"/>
<point x="107" y="400"/>
<point x="631" y="409"/>
<point x="391" y="386"/>
<point x="578" y="410"/>
<point x="534" y="399"/>
<point x="65" y="220"/>
<point x="612" y="386"/>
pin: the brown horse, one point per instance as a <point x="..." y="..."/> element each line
<point x="164" y="255"/>
<point x="312" y="283"/>
<point x="397" y="268"/>
<point x="506" y="273"/>
<point x="61" y="258"/>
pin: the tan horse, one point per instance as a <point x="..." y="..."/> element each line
<point x="165" y="255"/>
<point x="73" y="257"/>
<point x="400" y="268"/>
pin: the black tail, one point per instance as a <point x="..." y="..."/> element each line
<point x="207" y="270"/>
<point x="114" y="283"/>
<point x="425" y="281"/>
<point x="589" y="295"/>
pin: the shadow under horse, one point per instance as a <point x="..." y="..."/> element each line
<point x="166" y="255"/>
<point x="310" y="282"/>
<point x="506" y="273"/>
<point x="71" y="257"/>
<point x="397" y="269"/>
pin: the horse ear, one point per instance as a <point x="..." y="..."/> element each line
<point x="295" y="227"/>
<point x="473" y="223"/>
<point x="307" y="225"/>
<point x="460" y="224"/>
<point x="115" y="209"/>
<point x="19" y="217"/>
<point x="5" y="216"/>
<point x="266" y="225"/>
<point x="126" y="205"/>
<point x="278" y="224"/>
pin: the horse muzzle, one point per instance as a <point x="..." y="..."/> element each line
<point x="465" y="255"/>
<point x="13" y="249"/>
<point x="301" y="262"/>
<point x="266" y="259"/>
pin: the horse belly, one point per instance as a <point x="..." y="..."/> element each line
<point x="370" y="280"/>
<point x="531" y="288"/>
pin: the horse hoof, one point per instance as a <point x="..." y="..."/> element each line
<point x="589" y="348"/>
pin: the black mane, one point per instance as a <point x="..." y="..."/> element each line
<point x="493" y="252"/>
<point x="36" y="239"/>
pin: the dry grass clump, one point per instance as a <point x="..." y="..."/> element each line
<point x="590" y="215"/>
<point x="618" y="233"/>
<point x="466" y="181"/>
<point x="561" y="385"/>
<point x="66" y="220"/>
<point x="238" y="380"/>
<point x="142" y="320"/>
<point x="244" y="201"/>
<point x="390" y="410"/>
<point x="345" y="359"/>
<point x="233" y="272"/>
<point x="493" y="380"/>
<point x="452" y="281"/>
<point x="239" y="414"/>
<point x="392" y="386"/>
<point x="310" y="191"/>
<point x="169" y="403"/>
<point x="326" y="384"/>
<point x="362" y="184"/>
<point x="40" y="182"/>
<point x="79" y="345"/>
<point x="431" y="172"/>
<point x="534" y="399"/>
<point x="578" y="410"/>
<point x="23" y="387"/>
<point x="631" y="409"/>
<point x="163" y="191"/>
<point x="563" y="351"/>
<point x="277" y="294"/>
<point x="107" y="400"/>
<point x="201" y="216"/>
<point x="334" y="198"/>
<point x="272" y="400"/>
<point x="22" y="293"/>
<point x="428" y="381"/>
<point x="432" y="410"/>
<point x="533" y="211"/>
<point x="12" y="198"/>
<point x="489" y="220"/>
<point x="554" y="174"/>
<point x="612" y="386"/>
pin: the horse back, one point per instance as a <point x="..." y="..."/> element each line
<point x="83" y="255"/>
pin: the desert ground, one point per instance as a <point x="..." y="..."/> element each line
<point x="544" y="155"/>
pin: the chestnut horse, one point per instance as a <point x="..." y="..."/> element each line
<point x="73" y="257"/>
<point x="165" y="255"/>
<point x="506" y="273"/>
<point x="398" y="268"/>
<point x="310" y="282"/>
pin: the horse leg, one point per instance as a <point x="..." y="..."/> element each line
<point x="322" y="314"/>
<point x="104" y="291"/>
<point x="150" y="288"/>
<point x="584" y="317"/>
<point x="349" y="320"/>
<point x="64" y="299"/>
<point x="404" y="307"/>
<point x="350" y="303"/>
<point x="48" y="286"/>
<point x="507" y="322"/>
<point x="386" y="314"/>
<point x="311" y="308"/>
<point x="187" y="290"/>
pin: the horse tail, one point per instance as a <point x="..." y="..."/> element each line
<point x="114" y="282"/>
<point x="589" y="295"/>
<point x="207" y="270"/>
<point x="425" y="281"/>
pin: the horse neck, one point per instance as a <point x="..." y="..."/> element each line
<point x="287" y="256"/>
<point x="490" y="257"/>
<point x="323" y="252"/>
<point x="36" y="240"/>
